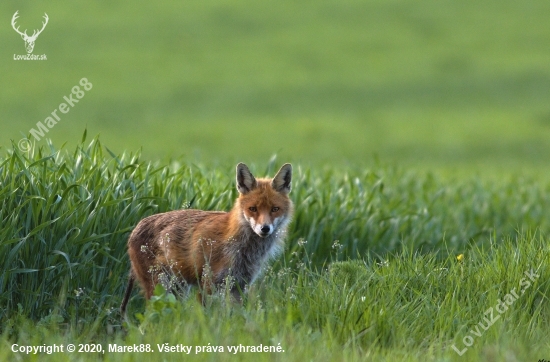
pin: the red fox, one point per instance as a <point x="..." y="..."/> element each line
<point x="207" y="247"/>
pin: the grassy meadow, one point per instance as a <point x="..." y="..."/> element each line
<point x="419" y="136"/>
<point x="381" y="264"/>
<point x="335" y="82"/>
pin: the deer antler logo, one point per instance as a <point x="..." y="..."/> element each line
<point x="29" y="40"/>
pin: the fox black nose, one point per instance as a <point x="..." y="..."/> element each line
<point x="265" y="229"/>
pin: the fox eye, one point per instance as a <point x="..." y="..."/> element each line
<point x="253" y="208"/>
<point x="274" y="209"/>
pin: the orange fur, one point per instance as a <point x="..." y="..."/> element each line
<point x="207" y="247"/>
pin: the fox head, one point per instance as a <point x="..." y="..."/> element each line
<point x="265" y="204"/>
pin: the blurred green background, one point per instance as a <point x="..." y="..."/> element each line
<point x="436" y="84"/>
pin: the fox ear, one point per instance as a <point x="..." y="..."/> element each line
<point x="281" y="181"/>
<point x="245" y="180"/>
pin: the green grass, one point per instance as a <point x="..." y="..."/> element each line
<point x="417" y="132"/>
<point x="434" y="84"/>
<point x="404" y="296"/>
<point x="412" y="307"/>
